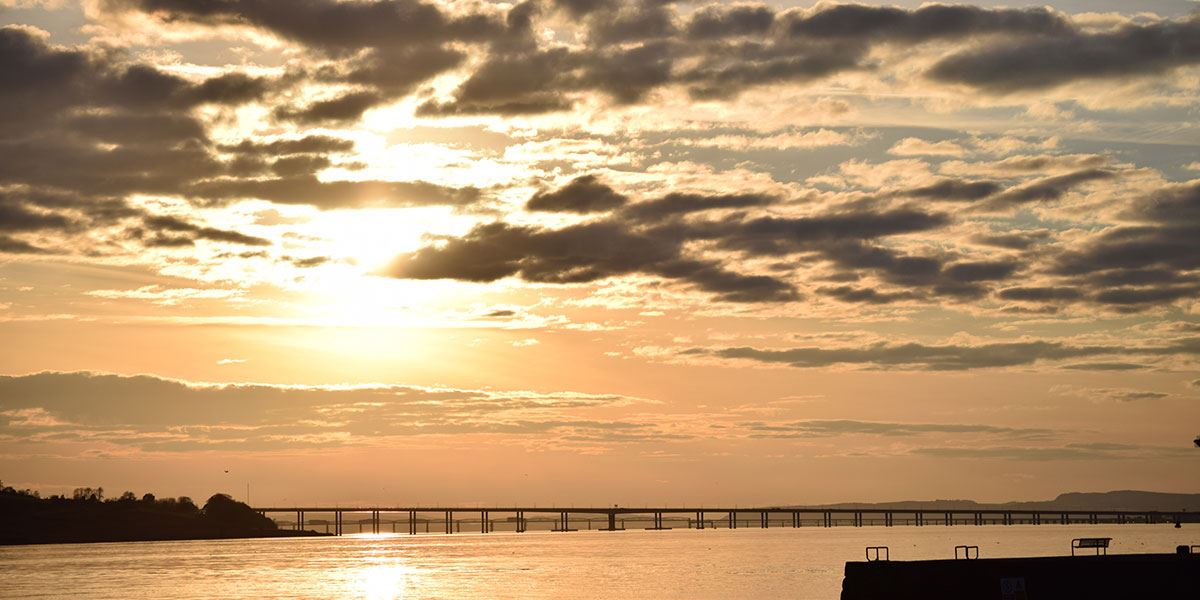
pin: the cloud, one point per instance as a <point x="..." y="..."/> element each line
<point x="583" y="194"/>
<point x="1074" y="451"/>
<point x="1149" y="261"/>
<point x="1044" y="62"/>
<point x="167" y="296"/>
<point x="954" y="190"/>
<point x="912" y="146"/>
<point x="1040" y="294"/>
<point x="161" y="415"/>
<point x="946" y="357"/>
<point x="651" y="237"/>
<point x="175" y="230"/>
<point x="830" y="428"/>
<point x="577" y="254"/>
<point x="1050" y="188"/>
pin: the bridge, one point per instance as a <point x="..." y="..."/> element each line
<point x="439" y="519"/>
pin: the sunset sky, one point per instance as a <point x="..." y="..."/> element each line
<point x="599" y="251"/>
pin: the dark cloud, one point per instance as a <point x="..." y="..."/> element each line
<point x="949" y="357"/>
<point x="578" y="254"/>
<point x="83" y="129"/>
<point x="1021" y="240"/>
<point x="332" y="26"/>
<point x="1043" y="62"/>
<point x="717" y="52"/>
<point x="389" y="47"/>
<point x="311" y="144"/>
<point x="309" y="262"/>
<point x="954" y="189"/>
<point x="307" y="189"/>
<point x="1078" y="451"/>
<point x="579" y="8"/>
<point x="16" y="216"/>
<point x="1050" y="188"/>
<point x="156" y="414"/>
<point x="652" y="238"/>
<point x="190" y="231"/>
<point x="937" y="21"/>
<point x="40" y="82"/>
<point x="860" y="295"/>
<point x="584" y="194"/>
<point x="343" y="109"/>
<point x="1104" y="366"/>
<point x="1151" y="260"/>
<point x="830" y="428"/>
<point x="1040" y="294"/>
<point x="716" y="21"/>
<point x="678" y="204"/>
<point x="11" y="245"/>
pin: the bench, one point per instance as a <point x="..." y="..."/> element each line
<point x="1097" y="544"/>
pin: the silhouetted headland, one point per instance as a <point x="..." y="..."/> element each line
<point x="26" y="518"/>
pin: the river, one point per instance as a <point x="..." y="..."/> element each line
<point x="797" y="564"/>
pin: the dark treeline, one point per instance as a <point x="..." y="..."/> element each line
<point x="87" y="516"/>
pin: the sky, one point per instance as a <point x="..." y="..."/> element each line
<point x="599" y="251"/>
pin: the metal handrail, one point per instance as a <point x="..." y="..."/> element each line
<point x="876" y="549"/>
<point x="966" y="552"/>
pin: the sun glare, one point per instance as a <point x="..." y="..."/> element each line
<point x="384" y="582"/>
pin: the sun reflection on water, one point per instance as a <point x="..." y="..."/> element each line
<point x="384" y="581"/>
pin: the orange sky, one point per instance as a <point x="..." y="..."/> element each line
<point x="588" y="252"/>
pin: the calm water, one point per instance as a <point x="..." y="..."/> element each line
<point x="801" y="563"/>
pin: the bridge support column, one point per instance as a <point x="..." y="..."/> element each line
<point x="699" y="519"/>
<point x="449" y="522"/>
<point x="483" y="521"/>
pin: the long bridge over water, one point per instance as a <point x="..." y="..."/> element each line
<point x="435" y="519"/>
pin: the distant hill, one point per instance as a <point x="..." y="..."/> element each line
<point x="26" y="518"/>
<point x="1132" y="500"/>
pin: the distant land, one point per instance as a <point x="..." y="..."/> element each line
<point x="26" y="518"/>
<point x="1132" y="500"/>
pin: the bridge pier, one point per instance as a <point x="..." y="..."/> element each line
<point x="733" y="519"/>
<point x="699" y="519"/>
<point x="564" y="520"/>
<point x="612" y="522"/>
<point x="658" y="522"/>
